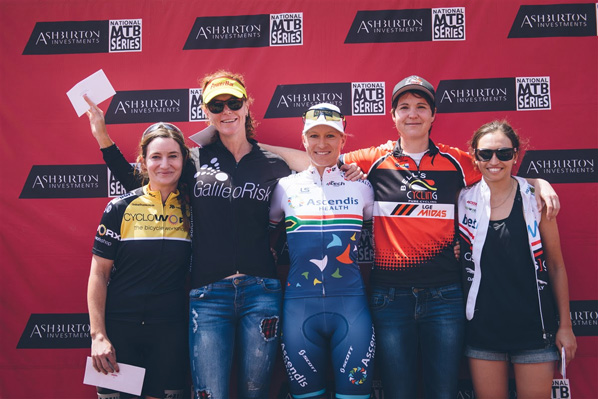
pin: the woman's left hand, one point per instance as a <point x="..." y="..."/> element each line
<point x="566" y="339"/>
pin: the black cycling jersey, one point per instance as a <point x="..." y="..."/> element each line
<point x="150" y="248"/>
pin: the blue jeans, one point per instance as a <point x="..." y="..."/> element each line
<point x="432" y="319"/>
<point x="240" y="314"/>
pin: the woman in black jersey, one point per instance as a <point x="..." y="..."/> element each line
<point x="141" y="254"/>
<point x="514" y="275"/>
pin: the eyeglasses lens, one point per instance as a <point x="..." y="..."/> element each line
<point x="503" y="154"/>
<point x="216" y="107"/>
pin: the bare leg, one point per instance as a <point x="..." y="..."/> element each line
<point x="534" y="380"/>
<point x="490" y="378"/>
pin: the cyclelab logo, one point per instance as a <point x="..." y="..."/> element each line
<point x="70" y="181"/>
<point x="77" y="37"/>
<point x="356" y="98"/>
<point x="494" y="94"/>
<point x="419" y="25"/>
<point x="561" y="166"/>
<point x="261" y="30"/>
<point x="56" y="331"/>
<point x="554" y="20"/>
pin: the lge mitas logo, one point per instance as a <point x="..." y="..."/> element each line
<point x="533" y="93"/>
<point x="125" y="35"/>
<point x="286" y="29"/>
<point x="448" y="23"/>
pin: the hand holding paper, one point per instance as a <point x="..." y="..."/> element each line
<point x="129" y="379"/>
<point x="96" y="87"/>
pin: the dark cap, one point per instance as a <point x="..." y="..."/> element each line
<point x="413" y="82"/>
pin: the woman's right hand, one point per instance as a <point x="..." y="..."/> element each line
<point x="98" y="124"/>
<point x="103" y="355"/>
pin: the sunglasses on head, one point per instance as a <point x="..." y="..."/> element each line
<point x="161" y="125"/>
<point x="329" y="115"/>
<point x="503" y="154"/>
<point x="234" y="104"/>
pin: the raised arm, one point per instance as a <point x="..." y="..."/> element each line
<point x="559" y="283"/>
<point x="120" y="168"/>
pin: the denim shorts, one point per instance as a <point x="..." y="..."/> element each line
<point x="544" y="355"/>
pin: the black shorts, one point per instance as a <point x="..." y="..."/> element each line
<point x="161" y="349"/>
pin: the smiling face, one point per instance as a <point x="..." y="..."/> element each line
<point x="413" y="117"/>
<point x="495" y="170"/>
<point x="323" y="145"/>
<point x="164" y="164"/>
<point x="229" y="123"/>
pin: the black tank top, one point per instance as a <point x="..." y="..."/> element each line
<point x="507" y="313"/>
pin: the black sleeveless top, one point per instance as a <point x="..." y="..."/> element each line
<point x="507" y="311"/>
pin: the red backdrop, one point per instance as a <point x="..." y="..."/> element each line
<point x="534" y="63"/>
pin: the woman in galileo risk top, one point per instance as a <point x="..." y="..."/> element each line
<point x="235" y="297"/>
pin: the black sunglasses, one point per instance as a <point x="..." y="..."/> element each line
<point x="216" y="106"/>
<point x="503" y="154"/>
<point x="161" y="125"/>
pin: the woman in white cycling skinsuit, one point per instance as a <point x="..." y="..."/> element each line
<point x="325" y="308"/>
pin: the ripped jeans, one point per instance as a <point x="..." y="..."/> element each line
<point x="240" y="314"/>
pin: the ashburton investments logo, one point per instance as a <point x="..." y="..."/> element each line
<point x="493" y="94"/>
<point x="584" y="317"/>
<point x="417" y="25"/>
<point x="76" y="37"/>
<point x="356" y="98"/>
<point x="561" y="166"/>
<point x="56" y="331"/>
<point x="70" y="181"/>
<point x="554" y="20"/>
<point x="149" y="106"/>
<point x="261" y="30"/>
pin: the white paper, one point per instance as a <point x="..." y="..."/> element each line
<point x="96" y="86"/>
<point x="129" y="379"/>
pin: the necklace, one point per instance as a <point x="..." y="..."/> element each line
<point x="506" y="197"/>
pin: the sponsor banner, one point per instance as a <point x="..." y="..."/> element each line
<point x="66" y="181"/>
<point x="78" y="37"/>
<point x="419" y="25"/>
<point x="584" y="317"/>
<point x="357" y="98"/>
<point x="560" y="166"/>
<point x="465" y="389"/>
<point x="493" y="94"/>
<point x="149" y="106"/>
<point x="56" y="331"/>
<point x="261" y="30"/>
<point x="554" y="20"/>
<point x="195" y="102"/>
<point x="115" y="188"/>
